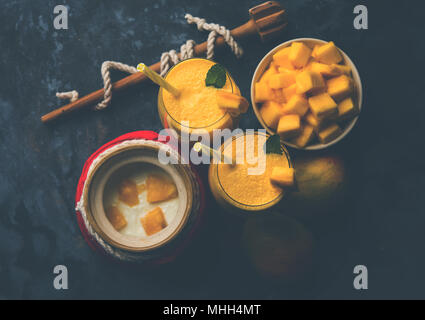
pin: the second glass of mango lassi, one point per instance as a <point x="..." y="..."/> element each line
<point x="195" y="109"/>
<point x="248" y="184"/>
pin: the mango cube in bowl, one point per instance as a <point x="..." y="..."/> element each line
<point x="289" y="126"/>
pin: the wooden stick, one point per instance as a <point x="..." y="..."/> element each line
<point x="266" y="21"/>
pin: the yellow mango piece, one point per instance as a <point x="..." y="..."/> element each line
<point x="325" y="70"/>
<point x="154" y="221"/>
<point x="343" y="69"/>
<point x="270" y="71"/>
<point x="315" y="48"/>
<point x="313" y="121"/>
<point x="283" y="176"/>
<point x="116" y="218"/>
<point x="323" y="106"/>
<point x="339" y="87"/>
<point x="289" y="126"/>
<point x="128" y="193"/>
<point x="289" y="91"/>
<point x="329" y="133"/>
<point x="299" y="54"/>
<point x="308" y="81"/>
<point x="270" y="113"/>
<point x="278" y="96"/>
<point x="281" y="58"/>
<point x="262" y="92"/>
<point x="282" y="80"/>
<point x="296" y="105"/>
<point x="160" y="188"/>
<point x="231" y="102"/>
<point x="346" y="109"/>
<point x="306" y="135"/>
<point x="328" y="53"/>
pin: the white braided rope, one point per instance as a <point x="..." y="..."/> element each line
<point x="168" y="59"/>
<point x="81" y="205"/>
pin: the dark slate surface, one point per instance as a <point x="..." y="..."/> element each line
<point x="382" y="226"/>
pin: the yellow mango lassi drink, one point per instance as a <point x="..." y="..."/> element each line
<point x="247" y="184"/>
<point x="196" y="108"/>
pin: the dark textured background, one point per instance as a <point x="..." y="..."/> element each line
<point x="382" y="226"/>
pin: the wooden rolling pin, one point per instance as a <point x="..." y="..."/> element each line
<point x="267" y="20"/>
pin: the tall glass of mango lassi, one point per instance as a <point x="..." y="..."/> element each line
<point x="247" y="185"/>
<point x="196" y="109"/>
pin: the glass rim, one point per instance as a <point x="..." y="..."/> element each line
<point x="229" y="77"/>
<point x="281" y="194"/>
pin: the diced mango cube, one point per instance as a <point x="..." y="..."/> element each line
<point x="154" y="221"/>
<point x="289" y="126"/>
<point x="323" y="106"/>
<point x="308" y="81"/>
<point x="160" y="188"/>
<point x="281" y="58"/>
<point x="325" y="70"/>
<point x="278" y="96"/>
<point x="271" y="112"/>
<point x="296" y="105"/>
<point x="231" y="102"/>
<point x="289" y="91"/>
<point x="282" y="80"/>
<point x="116" y="218"/>
<point x="262" y="92"/>
<point x="329" y="133"/>
<point x="346" y="109"/>
<point x="283" y="176"/>
<point x="339" y="87"/>
<point x="328" y="53"/>
<point x="299" y="54"/>
<point x="313" y="121"/>
<point x="270" y="71"/>
<point x="315" y="48"/>
<point x="343" y="69"/>
<point x="306" y="135"/>
<point x="128" y="193"/>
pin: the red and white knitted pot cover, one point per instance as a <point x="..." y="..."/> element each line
<point x="94" y="240"/>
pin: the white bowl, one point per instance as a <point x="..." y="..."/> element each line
<point x="265" y="62"/>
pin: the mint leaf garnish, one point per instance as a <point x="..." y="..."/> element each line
<point x="272" y="145"/>
<point x="216" y="77"/>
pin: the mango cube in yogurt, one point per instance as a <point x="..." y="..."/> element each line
<point x="160" y="188"/>
<point x="128" y="192"/>
<point x="289" y="126"/>
<point x="154" y="221"/>
<point x="299" y="54"/>
<point x="116" y="218"/>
